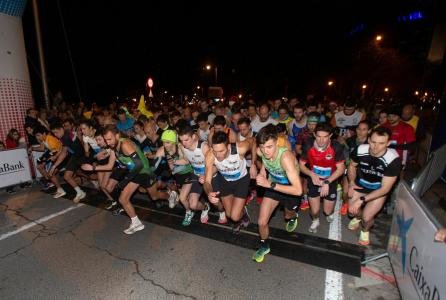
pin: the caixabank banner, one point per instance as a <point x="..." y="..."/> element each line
<point x="418" y="262"/>
<point x="14" y="167"/>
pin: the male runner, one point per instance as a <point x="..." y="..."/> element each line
<point x="323" y="161"/>
<point x="282" y="185"/>
<point x="372" y="172"/>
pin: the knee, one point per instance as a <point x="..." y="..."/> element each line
<point x="123" y="199"/>
<point x="350" y="211"/>
<point x="193" y="205"/>
<point x="261" y="222"/>
<point x="367" y="219"/>
<point x="328" y="211"/>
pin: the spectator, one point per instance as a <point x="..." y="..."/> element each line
<point x="14" y="140"/>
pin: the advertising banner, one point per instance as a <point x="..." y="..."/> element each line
<point x="418" y="262"/>
<point x="14" y="167"/>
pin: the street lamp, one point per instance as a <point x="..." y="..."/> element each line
<point x="330" y="83"/>
<point x="208" y="68"/>
<point x="386" y="89"/>
<point x="378" y="38"/>
<point x="364" y="86"/>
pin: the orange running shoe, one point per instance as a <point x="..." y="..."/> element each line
<point x="344" y="209"/>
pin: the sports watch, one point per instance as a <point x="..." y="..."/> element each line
<point x="326" y="181"/>
<point x="362" y="198"/>
<point x="273" y="185"/>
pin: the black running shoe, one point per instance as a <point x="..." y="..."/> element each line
<point x="117" y="211"/>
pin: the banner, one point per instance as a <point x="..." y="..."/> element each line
<point x="36" y="155"/>
<point x="418" y="262"/>
<point x="14" y="167"/>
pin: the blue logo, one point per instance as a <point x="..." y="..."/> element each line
<point x="404" y="226"/>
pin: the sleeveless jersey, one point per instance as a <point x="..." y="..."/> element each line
<point x="196" y="159"/>
<point x="274" y="168"/>
<point x="232" y="167"/>
<point x="128" y="162"/>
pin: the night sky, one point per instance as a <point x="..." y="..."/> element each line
<point x="267" y="50"/>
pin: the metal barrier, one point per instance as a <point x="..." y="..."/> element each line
<point x="431" y="172"/>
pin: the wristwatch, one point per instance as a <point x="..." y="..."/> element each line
<point x="326" y="181"/>
<point x="362" y="198"/>
<point x="273" y="185"/>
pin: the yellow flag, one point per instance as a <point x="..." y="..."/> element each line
<point x="142" y="108"/>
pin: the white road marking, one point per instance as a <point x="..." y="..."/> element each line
<point x="333" y="280"/>
<point x="37" y="222"/>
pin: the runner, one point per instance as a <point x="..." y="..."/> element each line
<point x="282" y="185"/>
<point x="194" y="152"/>
<point x="76" y="154"/>
<point x="139" y="173"/>
<point x="323" y="161"/>
<point x="230" y="186"/>
<point x="372" y="172"/>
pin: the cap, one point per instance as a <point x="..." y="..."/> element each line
<point x="313" y="119"/>
<point x="169" y="136"/>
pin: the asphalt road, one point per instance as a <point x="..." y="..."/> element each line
<point x="55" y="249"/>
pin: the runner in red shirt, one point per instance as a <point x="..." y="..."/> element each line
<point x="403" y="135"/>
<point x="323" y="161"/>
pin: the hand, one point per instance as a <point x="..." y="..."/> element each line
<point x="102" y="155"/>
<point x="324" y="190"/>
<point x="213" y="197"/>
<point x="201" y="179"/>
<point x="355" y="206"/>
<point x="253" y="171"/>
<point x="440" y="236"/>
<point x="171" y="164"/>
<point x="87" y="167"/>
<point x="262" y="181"/>
<point x="351" y="189"/>
<point x="315" y="179"/>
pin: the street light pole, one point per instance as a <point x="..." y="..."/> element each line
<point x="216" y="75"/>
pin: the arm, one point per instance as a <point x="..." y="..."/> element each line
<point x="181" y="161"/>
<point x="129" y="149"/>
<point x="108" y="167"/>
<point x="86" y="149"/>
<point x="303" y="168"/>
<point x="386" y="185"/>
<point x="289" y="164"/>
<point x="209" y="163"/>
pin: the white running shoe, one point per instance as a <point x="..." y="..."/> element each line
<point x="314" y="226"/>
<point x="79" y="196"/>
<point x="330" y="218"/>
<point x="173" y="199"/>
<point x="204" y="218"/>
<point x="59" y="193"/>
<point x="134" y="228"/>
<point x="222" y="218"/>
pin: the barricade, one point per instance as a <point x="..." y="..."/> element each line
<point x="14" y="167"/>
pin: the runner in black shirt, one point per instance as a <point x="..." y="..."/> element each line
<point x="372" y="172"/>
<point x="76" y="154"/>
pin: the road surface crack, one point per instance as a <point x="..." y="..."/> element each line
<point x="135" y="264"/>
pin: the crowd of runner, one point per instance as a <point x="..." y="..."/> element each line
<point x="221" y="155"/>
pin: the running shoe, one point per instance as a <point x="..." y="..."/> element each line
<point x="111" y="205"/>
<point x="314" y="226"/>
<point x="188" y="218"/>
<point x="354" y="224"/>
<point x="117" y="211"/>
<point x="304" y="205"/>
<point x="204" y="218"/>
<point x="344" y="209"/>
<point x="330" y="218"/>
<point x="134" y="228"/>
<point x="291" y="225"/>
<point x="59" y="193"/>
<point x="79" y="196"/>
<point x="173" y="199"/>
<point x="250" y="197"/>
<point x="222" y="218"/>
<point x="364" y="238"/>
<point x="259" y="255"/>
